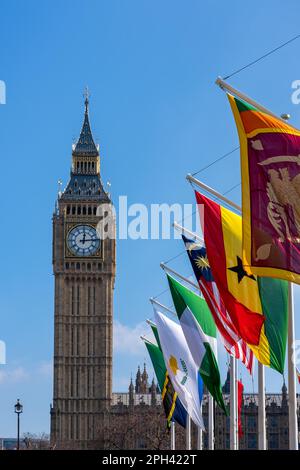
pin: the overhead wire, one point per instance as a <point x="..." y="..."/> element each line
<point x="267" y="54"/>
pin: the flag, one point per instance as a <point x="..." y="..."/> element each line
<point x="232" y="341"/>
<point x="257" y="306"/>
<point x="181" y="367"/>
<point x="240" y="388"/>
<point x="270" y="166"/>
<point x="169" y="396"/>
<point x="200" y="332"/>
<point x="155" y="333"/>
<point x="173" y="408"/>
<point x="298" y="375"/>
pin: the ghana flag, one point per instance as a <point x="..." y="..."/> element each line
<point x="270" y="167"/>
<point x="257" y="306"/>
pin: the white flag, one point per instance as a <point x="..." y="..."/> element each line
<point x="183" y="372"/>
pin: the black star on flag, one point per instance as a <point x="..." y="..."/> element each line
<point x="239" y="269"/>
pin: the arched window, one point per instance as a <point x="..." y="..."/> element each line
<point x="77" y="266"/>
<point x="73" y="210"/>
<point x="79" y="210"/>
<point x="89" y="210"/>
<point x="95" y="210"/>
<point x="68" y="209"/>
<point x="84" y="210"/>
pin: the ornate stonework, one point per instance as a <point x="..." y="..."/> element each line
<point x="84" y="270"/>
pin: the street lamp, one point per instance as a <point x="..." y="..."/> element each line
<point x="18" y="410"/>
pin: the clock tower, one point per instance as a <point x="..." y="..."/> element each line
<point x="84" y="272"/>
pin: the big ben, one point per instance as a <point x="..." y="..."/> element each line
<point x="84" y="271"/>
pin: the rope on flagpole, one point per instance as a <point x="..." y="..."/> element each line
<point x="231" y="189"/>
<point x="267" y="54"/>
<point x="216" y="161"/>
<point x="213" y="192"/>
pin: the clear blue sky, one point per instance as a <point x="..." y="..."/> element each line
<point x="150" y="66"/>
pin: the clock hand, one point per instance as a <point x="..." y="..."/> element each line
<point x="83" y="240"/>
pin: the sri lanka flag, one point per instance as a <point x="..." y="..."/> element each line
<point x="270" y="167"/>
<point x="257" y="306"/>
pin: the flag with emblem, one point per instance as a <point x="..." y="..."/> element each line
<point x="200" y="333"/>
<point x="298" y="375"/>
<point x="270" y="167"/>
<point x="173" y="408"/>
<point x="181" y="367"/>
<point x="257" y="306"/>
<point x="232" y="341"/>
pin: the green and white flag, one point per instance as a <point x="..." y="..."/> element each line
<point x="181" y="367"/>
<point x="200" y="333"/>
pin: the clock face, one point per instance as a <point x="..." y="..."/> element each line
<point x="83" y="240"/>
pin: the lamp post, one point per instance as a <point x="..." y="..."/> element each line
<point x="18" y="410"/>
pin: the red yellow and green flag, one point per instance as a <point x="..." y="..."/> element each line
<point x="298" y="375"/>
<point x="257" y="306"/>
<point x="270" y="167"/>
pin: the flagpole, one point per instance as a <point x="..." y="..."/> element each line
<point x="236" y="406"/>
<point x="233" y="403"/>
<point x="199" y="438"/>
<point x="183" y="278"/>
<point x="293" y="421"/>
<point x="188" y="432"/>
<point x="212" y="191"/>
<point x="199" y="434"/>
<point x="210" y="422"/>
<point x="155" y="302"/>
<point x="262" y="438"/>
<point x="180" y="228"/>
<point x="172" y="435"/>
<point x="225" y="86"/>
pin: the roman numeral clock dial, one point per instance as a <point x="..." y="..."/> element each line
<point x="83" y="240"/>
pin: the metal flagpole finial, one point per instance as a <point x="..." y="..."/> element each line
<point x="86" y="95"/>
<point x="285" y="116"/>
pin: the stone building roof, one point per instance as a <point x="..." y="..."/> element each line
<point x="85" y="187"/>
<point x="85" y="145"/>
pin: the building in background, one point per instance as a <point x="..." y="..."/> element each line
<point x="144" y="424"/>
